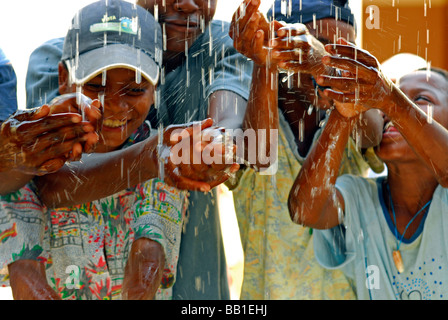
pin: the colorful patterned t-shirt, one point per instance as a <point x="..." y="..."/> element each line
<point x="85" y="247"/>
<point x="279" y="261"/>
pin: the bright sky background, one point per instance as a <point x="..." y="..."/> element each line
<point x="26" y="24"/>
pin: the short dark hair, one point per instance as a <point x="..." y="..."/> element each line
<point x="440" y="71"/>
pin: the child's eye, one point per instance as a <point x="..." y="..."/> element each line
<point x="422" y="99"/>
<point x="136" y="91"/>
<point x="94" y="87"/>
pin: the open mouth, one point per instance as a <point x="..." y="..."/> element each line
<point x="113" y="123"/>
<point x="390" y="130"/>
<point x="389" y="127"/>
<point x="182" y="25"/>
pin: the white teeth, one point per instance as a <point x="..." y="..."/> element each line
<point x="113" y="123"/>
<point x="388" y="125"/>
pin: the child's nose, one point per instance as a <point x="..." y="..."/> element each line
<point x="186" y="6"/>
<point x="116" y="102"/>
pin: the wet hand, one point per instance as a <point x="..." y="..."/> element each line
<point x="361" y="85"/>
<point x="297" y="50"/>
<point x="250" y="32"/>
<point x="90" y="110"/>
<point x="41" y="140"/>
<point x="196" y="156"/>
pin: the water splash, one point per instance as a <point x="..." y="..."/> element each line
<point x="429" y="113"/>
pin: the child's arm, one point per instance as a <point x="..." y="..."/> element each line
<point x="144" y="270"/>
<point x="102" y="174"/>
<point x="371" y="89"/>
<point x="39" y="141"/>
<point x="250" y="33"/>
<point x="313" y="200"/>
<point x="29" y="282"/>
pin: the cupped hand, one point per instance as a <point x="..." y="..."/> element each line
<point x="196" y="156"/>
<point x="251" y="31"/>
<point x="297" y="50"/>
<point x="361" y="85"/>
<point x="41" y="140"/>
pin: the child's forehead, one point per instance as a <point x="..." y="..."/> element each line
<point x="119" y="75"/>
<point x="424" y="79"/>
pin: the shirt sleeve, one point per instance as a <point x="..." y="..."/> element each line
<point x="158" y="216"/>
<point x="8" y="88"/>
<point x="232" y="71"/>
<point x="335" y="248"/>
<point x="42" y="83"/>
<point x="22" y="226"/>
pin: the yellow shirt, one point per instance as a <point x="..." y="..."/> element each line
<point x="279" y="262"/>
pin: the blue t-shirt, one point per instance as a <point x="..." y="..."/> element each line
<point x="212" y="64"/>
<point x="8" y="88"/>
<point x="362" y="245"/>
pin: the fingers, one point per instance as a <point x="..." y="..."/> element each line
<point x="343" y="84"/>
<point x="91" y="139"/>
<point x="89" y="110"/>
<point x="50" y="166"/>
<point x="347" y="97"/>
<point x="94" y="114"/>
<point x="368" y="75"/>
<point x="242" y="15"/>
<point x="175" y="179"/>
<point x="351" y="52"/>
<point x="290" y="30"/>
<point x="46" y="124"/>
<point x="41" y="112"/>
<point x="173" y="134"/>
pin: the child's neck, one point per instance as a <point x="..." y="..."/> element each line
<point x="405" y="195"/>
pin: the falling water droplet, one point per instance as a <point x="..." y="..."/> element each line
<point x="310" y="109"/>
<point x="164" y="36"/>
<point x="301" y="130"/>
<point x="138" y="71"/>
<point x="103" y="78"/>
<point x="156" y="12"/>
<point x="429" y="112"/>
<point x="290" y="75"/>
<point x="283" y="7"/>
<point x="79" y="101"/>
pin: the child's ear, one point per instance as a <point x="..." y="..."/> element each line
<point x="63" y="78"/>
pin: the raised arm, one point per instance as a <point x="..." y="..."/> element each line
<point x="371" y="89"/>
<point x="313" y="200"/>
<point x="250" y="33"/>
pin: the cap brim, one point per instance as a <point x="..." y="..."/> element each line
<point x="94" y="62"/>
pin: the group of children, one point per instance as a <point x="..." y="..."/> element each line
<point x="377" y="238"/>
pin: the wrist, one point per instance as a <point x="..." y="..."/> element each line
<point x="148" y="156"/>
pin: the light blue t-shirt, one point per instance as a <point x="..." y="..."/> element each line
<point x="8" y="88"/>
<point x="362" y="245"/>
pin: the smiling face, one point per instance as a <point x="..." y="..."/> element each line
<point x="183" y="20"/>
<point x="125" y="104"/>
<point x="426" y="92"/>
